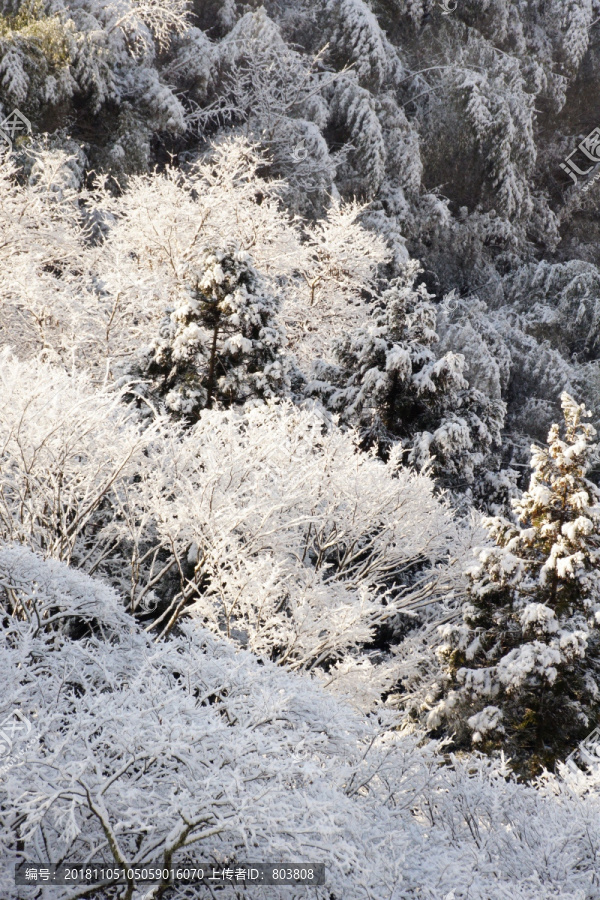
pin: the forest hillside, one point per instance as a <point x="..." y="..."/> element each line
<point x="299" y="454"/>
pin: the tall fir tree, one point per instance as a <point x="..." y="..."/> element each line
<point x="390" y="381"/>
<point x="222" y="343"/>
<point x="522" y="669"/>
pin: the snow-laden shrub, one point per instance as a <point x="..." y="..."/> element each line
<point x="143" y="751"/>
<point x="50" y="596"/>
<point x="294" y="543"/>
<point x="132" y="753"/>
<point x="66" y="454"/>
<point x="269" y="526"/>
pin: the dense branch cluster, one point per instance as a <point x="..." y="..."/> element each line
<point x="287" y="292"/>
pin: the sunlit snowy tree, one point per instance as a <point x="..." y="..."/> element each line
<point x="522" y="668"/>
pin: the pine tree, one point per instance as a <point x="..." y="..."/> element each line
<point x="392" y="384"/>
<point x="354" y="115"/>
<point x="221" y="343"/>
<point x="523" y="667"/>
<point x="356" y="38"/>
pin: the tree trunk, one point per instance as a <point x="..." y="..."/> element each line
<point x="211" y="368"/>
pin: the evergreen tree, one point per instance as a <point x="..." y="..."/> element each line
<point x="221" y="343"/>
<point x="522" y="669"/>
<point x="390" y="381"/>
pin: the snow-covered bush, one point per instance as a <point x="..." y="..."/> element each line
<point x="293" y="542"/>
<point x="49" y="596"/>
<point x="67" y="454"/>
<point x="141" y="753"/>
<point x="88" y="277"/>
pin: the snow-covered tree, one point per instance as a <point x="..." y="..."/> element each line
<point x="222" y="344"/>
<point x="339" y="271"/>
<point x="272" y="93"/>
<point x="392" y="383"/>
<point x="356" y="37"/>
<point x="522" y="668"/>
<point x="559" y="303"/>
<point x="291" y="542"/>
<point x="34" y="54"/>
<point x="104" y="54"/>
